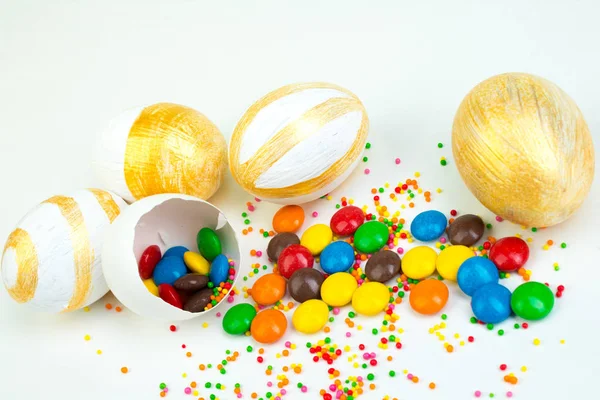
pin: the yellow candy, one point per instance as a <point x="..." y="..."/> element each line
<point x="450" y="259"/>
<point x="370" y="298"/>
<point x="316" y="238"/>
<point x="419" y="262"/>
<point x="196" y="262"/>
<point x="310" y="316"/>
<point x="152" y="288"/>
<point x="337" y="289"/>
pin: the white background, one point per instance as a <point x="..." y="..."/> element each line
<point x="67" y="67"/>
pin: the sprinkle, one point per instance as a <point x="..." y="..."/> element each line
<point x="172" y="328"/>
<point x="536" y="341"/>
<point x="124" y="370"/>
<point x="108" y="306"/>
<point x="477" y="393"/>
<point x="368" y="145"/>
<point x="367" y="171"/>
<point x="315" y="214"/>
<point x="87" y="337"/>
<point x="98" y="351"/>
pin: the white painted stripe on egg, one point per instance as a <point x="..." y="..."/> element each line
<point x="313" y="156"/>
<point x="9" y="275"/>
<point x="278" y="114"/>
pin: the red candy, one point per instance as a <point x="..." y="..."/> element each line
<point x="509" y="253"/>
<point x="293" y="258"/>
<point x="150" y="257"/>
<point x="347" y="220"/>
<point x="170" y="295"/>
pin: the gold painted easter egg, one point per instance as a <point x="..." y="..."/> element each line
<point x="298" y="142"/>
<point x="524" y="149"/>
<point x="162" y="148"/>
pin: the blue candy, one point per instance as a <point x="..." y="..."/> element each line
<point x="491" y="303"/>
<point x="168" y="270"/>
<point x="475" y="272"/>
<point x="219" y="270"/>
<point x="176" y="251"/>
<point x="337" y="257"/>
<point x="428" y="225"/>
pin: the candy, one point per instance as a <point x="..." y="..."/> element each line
<point x="474" y="273"/>
<point x="209" y="243"/>
<point x="419" y="262"/>
<point x="371" y="237"/>
<point x="337" y="257"/>
<point x="337" y="289"/>
<point x="509" y="253"/>
<point x="293" y="258"/>
<point x="237" y="319"/>
<point x="288" y="219"/>
<point x="196" y="263"/>
<point x="268" y="326"/>
<point x="168" y="270"/>
<point x="428" y="296"/>
<point x="150" y="257"/>
<point x="310" y="316"/>
<point x="491" y="303"/>
<point x="191" y="283"/>
<point x="383" y="266"/>
<point x="279" y="242"/>
<point x="316" y="238"/>
<point x="466" y="230"/>
<point x="151" y="286"/>
<point x="428" y="225"/>
<point x="177" y="251"/>
<point x="450" y="259"/>
<point x="169" y="294"/>
<point x="219" y="270"/>
<point x="347" y="220"/>
<point x="305" y="284"/>
<point x="268" y="289"/>
<point x="532" y="301"/>
<point x="370" y="298"/>
<point x="199" y="301"/>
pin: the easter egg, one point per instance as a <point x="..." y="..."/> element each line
<point x="237" y="319"/>
<point x="346" y="220"/>
<point x="293" y="258"/>
<point x="268" y="326"/>
<point x="305" y="284"/>
<point x="168" y="270"/>
<point x="509" y="253"/>
<point x="280" y="242"/>
<point x="288" y="219"/>
<point x="466" y="230"/>
<point x="450" y="259"/>
<point x="198" y="302"/>
<point x="316" y="238"/>
<point x="169" y="295"/>
<point x="310" y="316"/>
<point x="475" y="272"/>
<point x="419" y="262"/>
<point x="337" y="257"/>
<point x="429" y="296"/>
<point x="371" y="237"/>
<point x="268" y="289"/>
<point x="337" y="289"/>
<point x="298" y="142"/>
<point x="428" y="225"/>
<point x="370" y="298"/>
<point x="219" y="270"/>
<point x="195" y="262"/>
<point x="523" y="148"/>
<point x="383" y="266"/>
<point x="162" y="148"/>
<point x="532" y="301"/>
<point x="491" y="303"/>
<point x="151" y="286"/>
<point x="191" y="283"/>
<point x="177" y="251"/>
<point x="150" y="257"/>
<point x="209" y="243"/>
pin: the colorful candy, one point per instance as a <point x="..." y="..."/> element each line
<point x="491" y="303"/>
<point x="268" y="289"/>
<point x="429" y="296"/>
<point x="219" y="269"/>
<point x="337" y="289"/>
<point x="474" y="273"/>
<point x="370" y="298"/>
<point x="419" y="262"/>
<point x="237" y="319"/>
<point x="337" y="257"/>
<point x="347" y="220"/>
<point x="428" y="225"/>
<point x="196" y="263"/>
<point x="316" y="238"/>
<point x="450" y="259"/>
<point x="176" y="251"/>
<point x="280" y="242"/>
<point x="532" y="301"/>
<point x="168" y="270"/>
<point x="305" y="284"/>
<point x="509" y="253"/>
<point x="199" y="301"/>
<point x="371" y="237"/>
<point x="150" y="257"/>
<point x="288" y="219"/>
<point x="466" y="230"/>
<point x="383" y="266"/>
<point x="293" y="258"/>
<point x="310" y="316"/>
<point x="191" y="283"/>
<point x="268" y="326"/>
<point x="169" y="294"/>
<point x="209" y="243"/>
<point x="151" y="286"/>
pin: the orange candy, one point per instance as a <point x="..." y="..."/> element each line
<point x="288" y="219"/>
<point x="428" y="296"/>
<point x="268" y="326"/>
<point x="268" y="289"/>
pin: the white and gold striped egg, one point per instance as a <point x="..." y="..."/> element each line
<point x="162" y="148"/>
<point x="51" y="261"/>
<point x="298" y="142"/>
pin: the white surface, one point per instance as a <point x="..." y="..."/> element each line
<point x="67" y="68"/>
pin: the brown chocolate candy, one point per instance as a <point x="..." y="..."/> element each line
<point x="466" y="230"/>
<point x="191" y="283"/>
<point x="383" y="266"/>
<point x="305" y="284"/>
<point x="280" y="242"/>
<point x="197" y="302"/>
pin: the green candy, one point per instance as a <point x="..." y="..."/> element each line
<point x="371" y="237"/>
<point x="209" y="244"/>
<point x="238" y="318"/>
<point x="532" y="301"/>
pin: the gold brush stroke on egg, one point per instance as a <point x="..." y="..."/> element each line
<point x="108" y="204"/>
<point x="523" y="148"/>
<point x="174" y="149"/>
<point x="83" y="253"/>
<point x="27" y="265"/>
